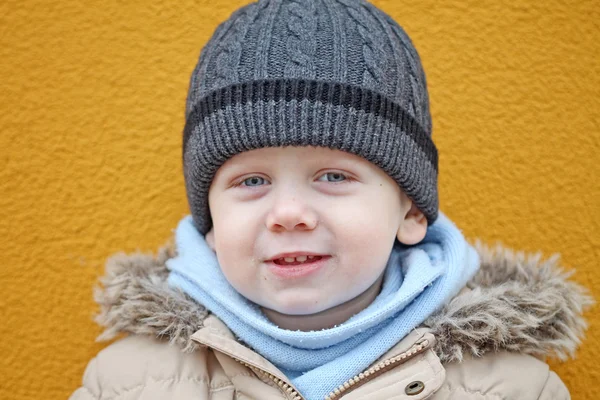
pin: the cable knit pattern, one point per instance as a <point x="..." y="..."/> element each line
<point x="373" y="51"/>
<point x="197" y="85"/>
<point x="399" y="84"/>
<point x="417" y="76"/>
<point x="301" y="44"/>
<point x="262" y="55"/>
<point x="228" y="59"/>
<point x="214" y="47"/>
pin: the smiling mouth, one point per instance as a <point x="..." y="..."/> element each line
<point x="300" y="260"/>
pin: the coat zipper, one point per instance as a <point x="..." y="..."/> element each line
<point x="358" y="380"/>
<point x="288" y="390"/>
<point x="378" y="369"/>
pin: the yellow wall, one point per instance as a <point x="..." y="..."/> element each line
<point x="92" y="100"/>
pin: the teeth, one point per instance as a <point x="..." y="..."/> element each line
<point x="297" y="259"/>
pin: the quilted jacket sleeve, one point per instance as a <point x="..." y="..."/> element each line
<point x="554" y="389"/>
<point x="89" y="391"/>
<point x="143" y="368"/>
<point x="501" y="376"/>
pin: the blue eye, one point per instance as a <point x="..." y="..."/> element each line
<point x="254" y="181"/>
<point x="333" y="177"/>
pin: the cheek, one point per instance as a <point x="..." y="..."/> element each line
<point x="366" y="252"/>
<point x="236" y="265"/>
<point x="365" y="232"/>
<point x="234" y="249"/>
<point x="234" y="246"/>
<point x="231" y="216"/>
<point x="366" y="219"/>
<point x="233" y="223"/>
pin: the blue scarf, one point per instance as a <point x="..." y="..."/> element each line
<point x="418" y="281"/>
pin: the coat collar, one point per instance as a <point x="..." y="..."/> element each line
<point x="216" y="335"/>
<point x="516" y="302"/>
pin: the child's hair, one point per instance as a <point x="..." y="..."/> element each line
<point x="333" y="73"/>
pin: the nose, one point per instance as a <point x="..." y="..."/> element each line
<point x="290" y="213"/>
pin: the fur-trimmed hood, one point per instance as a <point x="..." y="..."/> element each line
<point x="518" y="302"/>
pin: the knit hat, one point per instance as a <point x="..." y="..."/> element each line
<point x="340" y="74"/>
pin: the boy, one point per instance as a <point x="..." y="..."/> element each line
<point x="316" y="264"/>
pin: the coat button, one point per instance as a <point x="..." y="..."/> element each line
<point x="414" y="388"/>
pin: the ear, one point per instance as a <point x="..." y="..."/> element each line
<point x="413" y="228"/>
<point x="210" y="239"/>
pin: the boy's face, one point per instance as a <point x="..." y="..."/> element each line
<point x="332" y="214"/>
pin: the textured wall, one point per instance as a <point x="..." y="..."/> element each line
<point x="92" y="99"/>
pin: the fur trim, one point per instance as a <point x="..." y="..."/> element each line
<point x="518" y="302"/>
<point x="136" y="298"/>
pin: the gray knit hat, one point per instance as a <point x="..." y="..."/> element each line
<point x="333" y="73"/>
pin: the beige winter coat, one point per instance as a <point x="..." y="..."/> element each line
<point x="489" y="342"/>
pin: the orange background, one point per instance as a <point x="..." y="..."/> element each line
<point x="92" y="97"/>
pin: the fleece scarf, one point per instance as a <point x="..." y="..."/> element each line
<point x="418" y="280"/>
